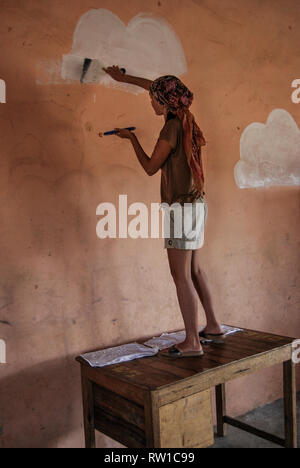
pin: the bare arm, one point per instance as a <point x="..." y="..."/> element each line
<point x="135" y="80"/>
<point x="161" y="152"/>
<point x="117" y="75"/>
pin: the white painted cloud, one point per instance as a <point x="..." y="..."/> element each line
<point x="146" y="47"/>
<point x="270" y="153"/>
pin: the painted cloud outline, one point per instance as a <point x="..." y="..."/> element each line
<point x="101" y="35"/>
<point x="269" y="153"/>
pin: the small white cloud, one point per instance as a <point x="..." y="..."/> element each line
<point x="146" y="47"/>
<point x="270" y="153"/>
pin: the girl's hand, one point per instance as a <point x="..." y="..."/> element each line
<point x="123" y="133"/>
<point x="114" y="72"/>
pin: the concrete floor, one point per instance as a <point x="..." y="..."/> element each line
<point x="268" y="418"/>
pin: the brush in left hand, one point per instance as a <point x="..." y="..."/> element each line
<point x="114" y="132"/>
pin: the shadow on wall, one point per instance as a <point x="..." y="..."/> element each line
<point x="39" y="405"/>
<point x="61" y="291"/>
<point x="46" y="289"/>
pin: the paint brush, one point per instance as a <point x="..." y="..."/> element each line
<point x="86" y="65"/>
<point x="113" y="132"/>
<point x="92" y="70"/>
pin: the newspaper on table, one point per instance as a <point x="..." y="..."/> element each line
<point x="117" y="354"/>
<point x="166" y="340"/>
<point x="169" y="339"/>
<point x="130" y="351"/>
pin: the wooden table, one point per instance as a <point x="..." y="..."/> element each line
<point x="157" y="402"/>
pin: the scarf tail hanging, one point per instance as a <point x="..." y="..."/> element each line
<point x="193" y="140"/>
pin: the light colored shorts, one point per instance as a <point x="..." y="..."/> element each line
<point x="187" y="233"/>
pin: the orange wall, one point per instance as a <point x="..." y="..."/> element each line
<point x="63" y="290"/>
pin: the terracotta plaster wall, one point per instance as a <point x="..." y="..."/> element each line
<point x="63" y="291"/>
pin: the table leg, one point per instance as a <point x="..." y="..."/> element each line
<point x="290" y="411"/>
<point x="221" y="410"/>
<point x="88" y="412"/>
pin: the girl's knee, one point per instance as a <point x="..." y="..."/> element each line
<point x="196" y="271"/>
<point x="181" y="276"/>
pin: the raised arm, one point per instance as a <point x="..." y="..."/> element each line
<point x="117" y="75"/>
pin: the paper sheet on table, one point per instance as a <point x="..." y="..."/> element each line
<point x="127" y="352"/>
<point x="130" y="351"/>
<point x="226" y="330"/>
<point x="169" y="339"/>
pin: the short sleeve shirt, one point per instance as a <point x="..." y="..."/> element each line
<point x="176" y="177"/>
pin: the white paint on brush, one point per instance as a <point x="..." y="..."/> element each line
<point x="146" y="47"/>
<point x="270" y="153"/>
<point x="94" y="72"/>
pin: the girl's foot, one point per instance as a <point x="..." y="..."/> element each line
<point x="187" y="346"/>
<point x="213" y="329"/>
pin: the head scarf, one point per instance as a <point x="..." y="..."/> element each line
<point x="172" y="93"/>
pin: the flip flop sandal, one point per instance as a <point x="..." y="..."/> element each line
<point x="215" y="337"/>
<point x="174" y="352"/>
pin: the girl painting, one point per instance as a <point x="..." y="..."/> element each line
<point x="177" y="154"/>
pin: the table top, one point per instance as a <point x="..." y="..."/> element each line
<point x="158" y="371"/>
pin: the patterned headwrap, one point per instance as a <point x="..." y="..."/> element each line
<point x="172" y="93"/>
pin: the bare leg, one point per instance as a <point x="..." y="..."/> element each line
<point x="201" y="285"/>
<point x="180" y="266"/>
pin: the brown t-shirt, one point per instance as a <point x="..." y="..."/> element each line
<point x="176" y="177"/>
